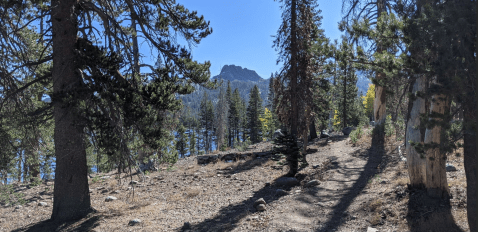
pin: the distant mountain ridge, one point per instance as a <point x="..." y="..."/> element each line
<point x="233" y="72"/>
<point x="241" y="78"/>
<point x="244" y="80"/>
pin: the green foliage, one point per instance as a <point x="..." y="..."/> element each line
<point x="389" y="128"/>
<point x="206" y="118"/>
<point x="181" y="140"/>
<point x="10" y="197"/>
<point x="356" y="134"/>
<point x="254" y="113"/>
<point x="242" y="146"/>
<point x="35" y="182"/>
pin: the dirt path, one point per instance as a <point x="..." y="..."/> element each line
<point x="360" y="188"/>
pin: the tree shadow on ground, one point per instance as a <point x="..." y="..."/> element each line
<point x="87" y="223"/>
<point x="429" y="214"/>
<point x="375" y="158"/>
<point x="229" y="216"/>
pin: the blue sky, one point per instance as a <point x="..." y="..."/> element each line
<point x="243" y="30"/>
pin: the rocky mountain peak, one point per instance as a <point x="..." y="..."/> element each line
<point x="233" y="72"/>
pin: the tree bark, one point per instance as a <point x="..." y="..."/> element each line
<point x="71" y="194"/>
<point x="416" y="164"/>
<point x="380" y="101"/>
<point x="313" y="131"/>
<point x="436" y="159"/>
<point x="470" y="157"/>
<point x="294" y="72"/>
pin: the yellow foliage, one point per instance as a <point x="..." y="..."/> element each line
<point x="336" y="118"/>
<point x="266" y="121"/>
<point x="368" y="100"/>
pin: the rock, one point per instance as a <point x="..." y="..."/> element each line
<point x="147" y="167"/>
<point x="104" y="191"/>
<point x="110" y="198"/>
<point x="450" y="168"/>
<point x="276" y="134"/>
<point x="18" y="207"/>
<point x="134" y="222"/>
<point x="312" y="183"/>
<point x="348" y="130"/>
<point x="281" y="192"/>
<point x="258" y="202"/>
<point x="324" y="134"/>
<point x="370" y="229"/>
<point x="287" y="181"/>
<point x="133" y="182"/>
<point x="44" y="204"/>
<point x="91" y="190"/>
<point x="261" y="207"/>
<point x="196" y="175"/>
<point x="115" y="192"/>
<point x="100" y="188"/>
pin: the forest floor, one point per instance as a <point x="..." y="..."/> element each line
<point x="363" y="187"/>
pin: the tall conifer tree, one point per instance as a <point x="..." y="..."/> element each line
<point x="254" y="112"/>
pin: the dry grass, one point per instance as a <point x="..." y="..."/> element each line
<point x="375" y="205"/>
<point x="192" y="192"/>
<point x="376" y="219"/>
<point x="401" y="181"/>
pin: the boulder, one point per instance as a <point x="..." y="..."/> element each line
<point x="348" y="130"/>
<point x="312" y="183"/>
<point x="44" y="204"/>
<point x="276" y="134"/>
<point x="261" y="207"/>
<point x="148" y="167"/>
<point x="259" y="201"/>
<point x="134" y="222"/>
<point x="287" y="181"/>
<point x="450" y="168"/>
<point x="281" y="192"/>
<point x="110" y="198"/>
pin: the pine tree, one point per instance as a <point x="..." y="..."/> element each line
<point x="346" y="89"/>
<point x="96" y="86"/>
<point x="206" y="115"/>
<point x="295" y="40"/>
<point x="181" y="141"/>
<point x="254" y="113"/>
<point x="230" y="112"/>
<point x="222" y="108"/>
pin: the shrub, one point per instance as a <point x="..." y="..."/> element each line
<point x="356" y="134"/>
<point x="9" y="196"/>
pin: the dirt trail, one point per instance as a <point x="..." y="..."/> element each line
<point x="361" y="187"/>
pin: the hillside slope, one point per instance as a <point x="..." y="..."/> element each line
<point x="360" y="187"/>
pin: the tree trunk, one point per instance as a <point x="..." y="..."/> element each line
<point x="470" y="156"/>
<point x="344" y="113"/>
<point x="380" y="101"/>
<point x="294" y="72"/>
<point x="313" y="131"/>
<point x="71" y="195"/>
<point x="32" y="157"/>
<point x="436" y="159"/>
<point x="416" y="164"/>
